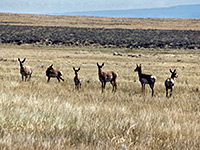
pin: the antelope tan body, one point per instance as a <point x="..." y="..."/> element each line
<point x="25" y="71"/>
<point x="52" y="73"/>
<point x="77" y="79"/>
<point x="109" y="76"/>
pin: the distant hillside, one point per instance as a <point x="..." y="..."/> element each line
<point x="182" y="11"/>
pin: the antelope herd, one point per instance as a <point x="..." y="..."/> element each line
<point x="104" y="77"/>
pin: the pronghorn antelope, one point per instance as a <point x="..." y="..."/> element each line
<point x="51" y="73"/>
<point x="25" y="70"/>
<point x="107" y="77"/>
<point x="145" y="79"/>
<point x="77" y="79"/>
<point x="169" y="83"/>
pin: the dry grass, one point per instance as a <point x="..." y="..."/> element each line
<point x="99" y="22"/>
<point x="37" y="115"/>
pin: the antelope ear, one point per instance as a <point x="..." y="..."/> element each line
<point x="24" y="60"/>
<point x="174" y="70"/>
<point x="170" y="70"/>
<point x="102" y="65"/>
<point x="51" y="65"/>
<point x="79" y="68"/>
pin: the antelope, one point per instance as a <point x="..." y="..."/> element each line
<point x="25" y="70"/>
<point x="145" y="79"/>
<point x="107" y="77"/>
<point x="169" y="82"/>
<point x="77" y="79"/>
<point x="52" y="73"/>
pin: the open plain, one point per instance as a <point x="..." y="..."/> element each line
<point x="40" y="115"/>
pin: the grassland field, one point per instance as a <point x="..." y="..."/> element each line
<point x="99" y="22"/>
<point x="37" y="115"/>
<point x="41" y="115"/>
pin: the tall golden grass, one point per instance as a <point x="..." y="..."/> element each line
<point x="41" y="115"/>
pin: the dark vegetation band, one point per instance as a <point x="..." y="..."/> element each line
<point x="100" y="37"/>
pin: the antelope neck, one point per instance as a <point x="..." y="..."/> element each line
<point x="172" y="77"/>
<point x="139" y="72"/>
<point x="76" y="75"/>
<point x="100" y="72"/>
<point x="50" y="71"/>
<point x="21" y="67"/>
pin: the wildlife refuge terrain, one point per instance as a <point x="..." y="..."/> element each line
<point x="55" y="115"/>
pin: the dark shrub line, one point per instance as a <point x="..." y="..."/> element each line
<point x="121" y="38"/>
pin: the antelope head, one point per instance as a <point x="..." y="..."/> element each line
<point x="76" y="71"/>
<point x="21" y="62"/>
<point x="138" y="68"/>
<point x="50" y="67"/>
<point x="100" y="66"/>
<point x="174" y="74"/>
